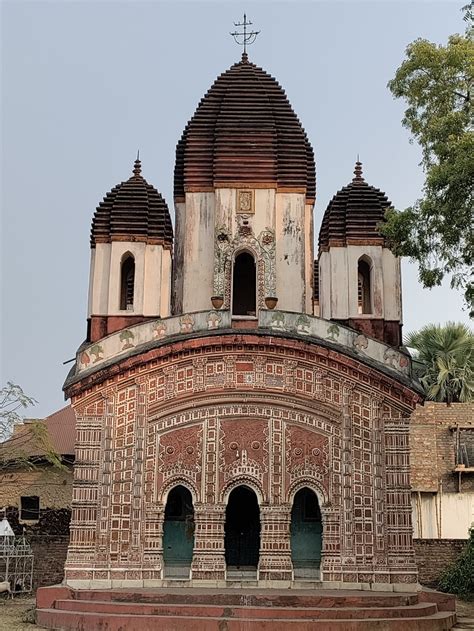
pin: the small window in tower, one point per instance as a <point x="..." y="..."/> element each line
<point x="244" y="294"/>
<point x="29" y="508"/>
<point x="127" y="286"/>
<point x="364" y="297"/>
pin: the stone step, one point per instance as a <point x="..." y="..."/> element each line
<point x="73" y="620"/>
<point x="213" y="611"/>
<point x="245" y="597"/>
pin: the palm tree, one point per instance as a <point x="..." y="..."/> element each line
<point x="445" y="361"/>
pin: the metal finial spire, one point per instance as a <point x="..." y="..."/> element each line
<point x="358" y="171"/>
<point x="244" y="38"/>
<point x="137" y="168"/>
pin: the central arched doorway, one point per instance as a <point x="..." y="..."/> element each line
<point x="306" y="534"/>
<point x="244" y="287"/>
<point x="242" y="530"/>
<point x="178" y="532"/>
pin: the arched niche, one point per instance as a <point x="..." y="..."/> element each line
<point x="127" y="282"/>
<point x="244" y="285"/>
<point x="178" y="532"/>
<point x="306" y="534"/>
<point x="242" y="529"/>
<point x="364" y="285"/>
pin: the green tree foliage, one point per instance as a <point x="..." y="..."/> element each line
<point x="445" y="361"/>
<point x="31" y="438"/>
<point x="459" y="577"/>
<point x="12" y="400"/>
<point x="438" y="230"/>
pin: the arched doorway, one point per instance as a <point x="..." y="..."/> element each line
<point x="242" y="529"/>
<point x="244" y="288"/>
<point x="306" y="534"/>
<point x="178" y="532"/>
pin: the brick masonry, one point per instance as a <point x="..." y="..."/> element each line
<point x="433" y="556"/>
<point x="432" y="446"/>
<point x="211" y="414"/>
<point x="49" y="536"/>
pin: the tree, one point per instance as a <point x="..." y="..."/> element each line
<point x="459" y="577"/>
<point x="29" y="443"/>
<point x="12" y="399"/>
<point x="445" y="361"/>
<point x="437" y="231"/>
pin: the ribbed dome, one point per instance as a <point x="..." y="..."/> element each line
<point x="244" y="131"/>
<point x="353" y="214"/>
<point x="132" y="211"/>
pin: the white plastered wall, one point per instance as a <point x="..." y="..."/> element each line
<point x="377" y="279"/>
<point x="99" y="279"/>
<point x="442" y="515"/>
<point x="203" y="213"/>
<point x="152" y="283"/>
<point x="309" y="256"/>
<point x="198" y="251"/>
<point x="178" y="259"/>
<point x="338" y="282"/>
<point x="290" y="251"/>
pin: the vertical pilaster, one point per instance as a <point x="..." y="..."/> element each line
<point x="347" y="491"/>
<point x="275" y="552"/>
<point x="209" y="555"/>
<point x="153" y="545"/>
<point x="401" y="556"/>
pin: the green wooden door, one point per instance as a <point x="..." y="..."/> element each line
<point x="306" y="531"/>
<point x="178" y="529"/>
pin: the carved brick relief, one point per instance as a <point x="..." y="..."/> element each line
<point x="274" y="419"/>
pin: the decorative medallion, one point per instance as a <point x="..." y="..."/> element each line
<point x="213" y="320"/>
<point x="278" y="321"/>
<point x="187" y="323"/>
<point x="245" y="201"/>
<point x="360" y="342"/>
<point x="97" y="351"/>
<point x="126" y="337"/>
<point x="159" y="329"/>
<point x="333" y="332"/>
<point x="302" y="324"/>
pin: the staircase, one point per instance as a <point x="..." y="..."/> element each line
<point x="242" y="610"/>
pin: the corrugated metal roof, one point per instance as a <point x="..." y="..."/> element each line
<point x="61" y="426"/>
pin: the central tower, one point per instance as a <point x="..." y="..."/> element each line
<point x="244" y="194"/>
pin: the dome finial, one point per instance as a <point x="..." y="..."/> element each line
<point x="358" y="171"/>
<point x="137" y="169"/>
<point x="246" y="38"/>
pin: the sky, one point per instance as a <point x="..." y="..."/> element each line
<point x="84" y="85"/>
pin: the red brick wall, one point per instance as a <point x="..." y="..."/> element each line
<point x="433" y="556"/>
<point x="49" y="539"/>
<point x="49" y="558"/>
<point x="432" y="446"/>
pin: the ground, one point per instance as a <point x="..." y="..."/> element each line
<point x="17" y="614"/>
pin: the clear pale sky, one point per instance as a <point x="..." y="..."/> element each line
<point x="85" y="84"/>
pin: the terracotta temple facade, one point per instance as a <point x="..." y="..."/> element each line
<point x="242" y="410"/>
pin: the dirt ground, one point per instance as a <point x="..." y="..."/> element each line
<point x="17" y="614"/>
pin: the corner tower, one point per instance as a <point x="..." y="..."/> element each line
<point x="359" y="276"/>
<point x="131" y="244"/>
<point x="244" y="193"/>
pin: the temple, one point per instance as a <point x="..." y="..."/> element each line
<point x="242" y="409"/>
